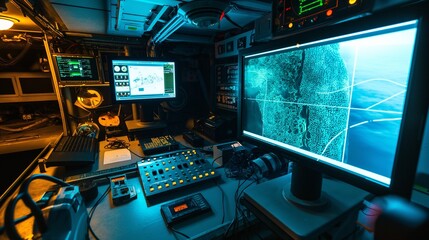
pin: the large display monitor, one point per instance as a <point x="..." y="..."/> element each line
<point x="348" y="101"/>
<point x="144" y="81"/>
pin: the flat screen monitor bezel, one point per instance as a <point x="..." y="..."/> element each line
<point x="81" y="81"/>
<point x="414" y="110"/>
<point x="153" y="99"/>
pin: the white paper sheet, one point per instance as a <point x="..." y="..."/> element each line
<point x="117" y="155"/>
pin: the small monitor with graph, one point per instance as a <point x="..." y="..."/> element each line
<point x="76" y="69"/>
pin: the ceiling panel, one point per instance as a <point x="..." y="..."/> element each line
<point x="83" y="16"/>
<point x="82" y="20"/>
<point x="137" y="9"/>
<point x="129" y="17"/>
<point x="144" y="17"/>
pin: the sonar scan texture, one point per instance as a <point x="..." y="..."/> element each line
<point x="296" y="97"/>
<point x="340" y="101"/>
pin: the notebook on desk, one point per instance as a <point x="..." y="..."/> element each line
<point x="73" y="151"/>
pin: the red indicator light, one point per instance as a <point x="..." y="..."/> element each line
<point x="329" y="12"/>
<point x="222" y="15"/>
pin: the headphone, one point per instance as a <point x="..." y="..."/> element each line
<point x="269" y="164"/>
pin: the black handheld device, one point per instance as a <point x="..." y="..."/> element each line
<point x="184" y="208"/>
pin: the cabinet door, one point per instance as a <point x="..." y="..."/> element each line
<point x="35" y="85"/>
<point x="26" y="87"/>
<point x="8" y="87"/>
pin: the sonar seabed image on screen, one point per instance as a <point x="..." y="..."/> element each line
<point x="342" y="100"/>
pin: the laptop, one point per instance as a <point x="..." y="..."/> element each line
<point x="74" y="151"/>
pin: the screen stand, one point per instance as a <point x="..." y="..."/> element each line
<point x="146" y="112"/>
<point x="305" y="188"/>
<point x="147" y="123"/>
<point x="291" y="216"/>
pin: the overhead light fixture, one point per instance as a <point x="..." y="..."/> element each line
<point x="7" y="22"/>
<point x="204" y="13"/>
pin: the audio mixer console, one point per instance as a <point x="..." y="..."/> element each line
<point x="171" y="171"/>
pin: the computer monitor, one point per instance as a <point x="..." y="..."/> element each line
<point x="347" y="101"/>
<point x="76" y="69"/>
<point x="143" y="81"/>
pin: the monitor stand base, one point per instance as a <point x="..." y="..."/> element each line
<point x="291" y="220"/>
<point x="138" y="129"/>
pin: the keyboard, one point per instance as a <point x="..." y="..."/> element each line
<point x="159" y="173"/>
<point x="74" y="151"/>
<point x="74" y="144"/>
<point x="101" y="176"/>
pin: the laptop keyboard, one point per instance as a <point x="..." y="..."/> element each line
<point x="74" y="144"/>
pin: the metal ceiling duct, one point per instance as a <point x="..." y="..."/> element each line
<point x="175" y="23"/>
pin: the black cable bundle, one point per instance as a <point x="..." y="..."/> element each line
<point x="116" y="144"/>
<point x="25" y="196"/>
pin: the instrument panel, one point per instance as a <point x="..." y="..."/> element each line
<point x="292" y="16"/>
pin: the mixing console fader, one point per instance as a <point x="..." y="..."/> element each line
<point x="170" y="171"/>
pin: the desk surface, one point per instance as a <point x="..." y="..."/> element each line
<point x="30" y="139"/>
<point x="141" y="219"/>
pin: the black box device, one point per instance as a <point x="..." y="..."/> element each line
<point x="184" y="208"/>
<point x="120" y="191"/>
<point x="156" y="145"/>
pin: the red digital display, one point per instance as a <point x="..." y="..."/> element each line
<point x="180" y="207"/>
